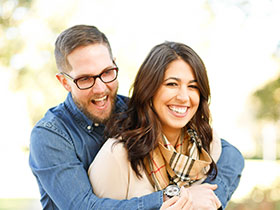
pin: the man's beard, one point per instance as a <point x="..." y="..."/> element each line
<point x="94" y="118"/>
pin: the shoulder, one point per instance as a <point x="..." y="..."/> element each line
<point x="230" y="152"/>
<point x="112" y="157"/>
<point x="125" y="99"/>
<point x="53" y="117"/>
<point x="55" y="123"/>
<point x="121" y="103"/>
<point x="54" y="114"/>
<point x="114" y="149"/>
<point x="215" y="147"/>
<point x="111" y="153"/>
<point x="61" y="115"/>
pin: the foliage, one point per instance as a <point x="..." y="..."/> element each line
<point x="9" y="20"/>
<point x="268" y="101"/>
<point x="28" y="56"/>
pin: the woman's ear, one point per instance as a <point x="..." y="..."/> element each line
<point x="61" y="78"/>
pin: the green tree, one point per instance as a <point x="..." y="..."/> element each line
<point x="268" y="101"/>
<point x="26" y="52"/>
<point x="266" y="109"/>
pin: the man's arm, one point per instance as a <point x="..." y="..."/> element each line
<point x="230" y="166"/>
<point x="64" y="179"/>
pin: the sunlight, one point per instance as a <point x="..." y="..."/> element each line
<point x="236" y="42"/>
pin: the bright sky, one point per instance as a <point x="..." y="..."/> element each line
<point x="235" y="44"/>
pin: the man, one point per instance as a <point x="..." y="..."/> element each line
<point x="66" y="140"/>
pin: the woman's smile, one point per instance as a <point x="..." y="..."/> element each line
<point x="178" y="109"/>
<point x="177" y="99"/>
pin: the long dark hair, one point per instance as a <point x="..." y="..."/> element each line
<point x="139" y="127"/>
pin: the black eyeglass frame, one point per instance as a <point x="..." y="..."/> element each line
<point x="94" y="77"/>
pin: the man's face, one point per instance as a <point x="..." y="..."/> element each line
<point x="97" y="102"/>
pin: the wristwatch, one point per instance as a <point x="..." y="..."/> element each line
<point x="171" y="190"/>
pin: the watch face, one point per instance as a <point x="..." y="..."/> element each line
<point x="172" y="190"/>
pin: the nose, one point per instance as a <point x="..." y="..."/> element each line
<point x="183" y="94"/>
<point x="99" y="86"/>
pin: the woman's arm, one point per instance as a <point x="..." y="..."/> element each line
<point x="109" y="172"/>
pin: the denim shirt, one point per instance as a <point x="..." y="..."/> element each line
<point x="230" y="165"/>
<point x="63" y="145"/>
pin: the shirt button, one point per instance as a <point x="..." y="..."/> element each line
<point x="89" y="127"/>
<point x="96" y="124"/>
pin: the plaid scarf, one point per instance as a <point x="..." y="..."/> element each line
<point x="182" y="165"/>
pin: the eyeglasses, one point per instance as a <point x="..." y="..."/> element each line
<point x="86" y="82"/>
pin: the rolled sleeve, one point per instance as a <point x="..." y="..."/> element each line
<point x="151" y="201"/>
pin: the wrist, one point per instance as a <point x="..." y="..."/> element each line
<point x="171" y="191"/>
<point x="165" y="197"/>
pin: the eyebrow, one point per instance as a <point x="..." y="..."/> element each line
<point x="107" y="68"/>
<point x="177" y="79"/>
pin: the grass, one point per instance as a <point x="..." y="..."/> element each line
<point x="19" y="204"/>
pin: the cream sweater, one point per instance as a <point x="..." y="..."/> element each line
<point x="111" y="175"/>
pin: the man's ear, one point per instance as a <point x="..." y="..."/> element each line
<point x="63" y="81"/>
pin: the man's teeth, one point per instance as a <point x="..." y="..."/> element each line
<point x="179" y="110"/>
<point x="100" y="99"/>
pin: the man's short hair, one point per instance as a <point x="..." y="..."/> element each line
<point x="76" y="36"/>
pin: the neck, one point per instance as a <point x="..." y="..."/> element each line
<point x="172" y="136"/>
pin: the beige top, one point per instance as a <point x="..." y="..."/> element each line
<point x="112" y="176"/>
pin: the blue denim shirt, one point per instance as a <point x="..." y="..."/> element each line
<point x="230" y="165"/>
<point x="63" y="145"/>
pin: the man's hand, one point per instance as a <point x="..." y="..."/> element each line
<point x="200" y="197"/>
<point x="203" y="197"/>
<point x="183" y="201"/>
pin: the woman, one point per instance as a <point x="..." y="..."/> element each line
<point x="165" y="137"/>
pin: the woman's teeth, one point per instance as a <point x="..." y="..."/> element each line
<point x="179" y="110"/>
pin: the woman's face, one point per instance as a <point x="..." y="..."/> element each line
<point x="177" y="99"/>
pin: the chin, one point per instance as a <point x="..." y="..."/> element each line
<point x="103" y="118"/>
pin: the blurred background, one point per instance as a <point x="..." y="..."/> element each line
<point x="239" y="41"/>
